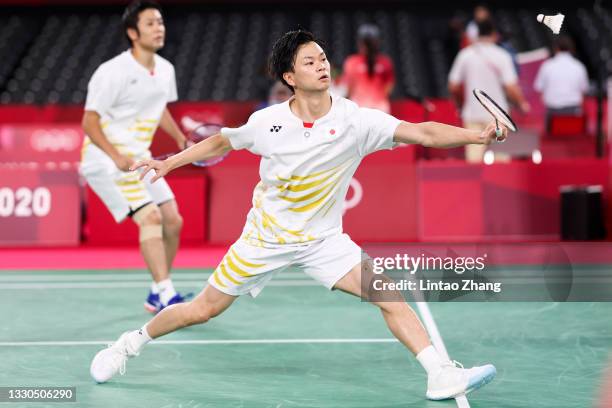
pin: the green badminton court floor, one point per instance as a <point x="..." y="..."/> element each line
<point x="296" y="345"/>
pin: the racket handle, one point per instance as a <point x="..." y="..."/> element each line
<point x="499" y="132"/>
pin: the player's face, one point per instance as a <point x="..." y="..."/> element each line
<point x="151" y="29"/>
<point x="311" y="70"/>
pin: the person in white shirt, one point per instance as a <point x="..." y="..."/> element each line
<point x="562" y="80"/>
<point x="483" y="65"/>
<point x="310" y="147"/>
<point x="126" y="102"/>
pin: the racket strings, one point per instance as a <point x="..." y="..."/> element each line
<point x="495" y="110"/>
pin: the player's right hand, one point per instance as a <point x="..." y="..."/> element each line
<point x="159" y="166"/>
<point x="123" y="163"/>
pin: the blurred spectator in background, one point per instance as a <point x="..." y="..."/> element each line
<point x="481" y="13"/>
<point x="487" y="66"/>
<point x="369" y="75"/>
<point x="278" y="93"/>
<point x="504" y="39"/>
<point x="562" y="80"/>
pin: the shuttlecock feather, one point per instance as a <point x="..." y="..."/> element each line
<point x="552" y="22"/>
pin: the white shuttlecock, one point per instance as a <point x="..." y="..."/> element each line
<point x="552" y="22"/>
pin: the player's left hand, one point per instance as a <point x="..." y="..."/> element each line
<point x="160" y="167"/>
<point x="491" y="134"/>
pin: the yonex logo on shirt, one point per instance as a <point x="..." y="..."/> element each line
<point x="275" y="128"/>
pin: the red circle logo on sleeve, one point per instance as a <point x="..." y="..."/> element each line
<point x="332" y="132"/>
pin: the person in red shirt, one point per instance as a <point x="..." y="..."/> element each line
<point x="369" y="75"/>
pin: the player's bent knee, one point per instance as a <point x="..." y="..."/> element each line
<point x="200" y="316"/>
<point x="148" y="215"/>
<point x="148" y="232"/>
<point x="173" y="222"/>
<point x="148" y="219"/>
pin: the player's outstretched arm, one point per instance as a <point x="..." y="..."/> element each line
<point x="439" y="135"/>
<point x="213" y="146"/>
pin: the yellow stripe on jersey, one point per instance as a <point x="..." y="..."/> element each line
<point x="245" y="263"/>
<point x="271" y="219"/>
<point x="127" y="182"/>
<point x="146" y="121"/>
<point x="131" y="199"/>
<point x="144" y="139"/>
<point x="217" y="280"/>
<point x="142" y="129"/>
<point x="227" y="275"/>
<point x="132" y="190"/>
<point x="309" y="195"/>
<point x="314" y="204"/>
<point x="235" y="268"/>
<point x="305" y="186"/>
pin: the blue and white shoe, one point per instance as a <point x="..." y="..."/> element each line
<point x="454" y="380"/>
<point x="152" y="304"/>
<point x="178" y="298"/>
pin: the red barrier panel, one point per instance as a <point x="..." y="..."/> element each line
<point x="190" y="192"/>
<point x="48" y="142"/>
<point x="39" y="206"/>
<point x="386" y="209"/>
<point x="515" y="201"/>
<point x="231" y="190"/>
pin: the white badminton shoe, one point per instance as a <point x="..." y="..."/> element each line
<point x="112" y="360"/>
<point x="453" y="380"/>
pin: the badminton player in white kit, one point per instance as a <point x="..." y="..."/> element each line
<point x="310" y="146"/>
<point x="126" y="102"/>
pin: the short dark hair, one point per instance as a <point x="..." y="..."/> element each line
<point x="485" y="27"/>
<point x="564" y="43"/>
<point x="132" y="11"/>
<point x="284" y="52"/>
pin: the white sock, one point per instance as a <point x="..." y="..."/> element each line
<point x="166" y="291"/>
<point x="137" y="339"/>
<point x="430" y="360"/>
<point x="154" y="288"/>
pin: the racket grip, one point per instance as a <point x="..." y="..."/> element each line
<point x="499" y="132"/>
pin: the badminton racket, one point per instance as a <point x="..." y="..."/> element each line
<point x="200" y="133"/>
<point x="500" y="115"/>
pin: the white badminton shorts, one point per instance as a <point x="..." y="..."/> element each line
<point x="123" y="192"/>
<point x="247" y="268"/>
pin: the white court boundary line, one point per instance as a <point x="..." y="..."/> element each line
<point x="438" y="343"/>
<point x="198" y="342"/>
<point x="141" y="284"/>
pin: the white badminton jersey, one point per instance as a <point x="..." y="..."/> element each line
<point x="306" y="169"/>
<point x="130" y="100"/>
